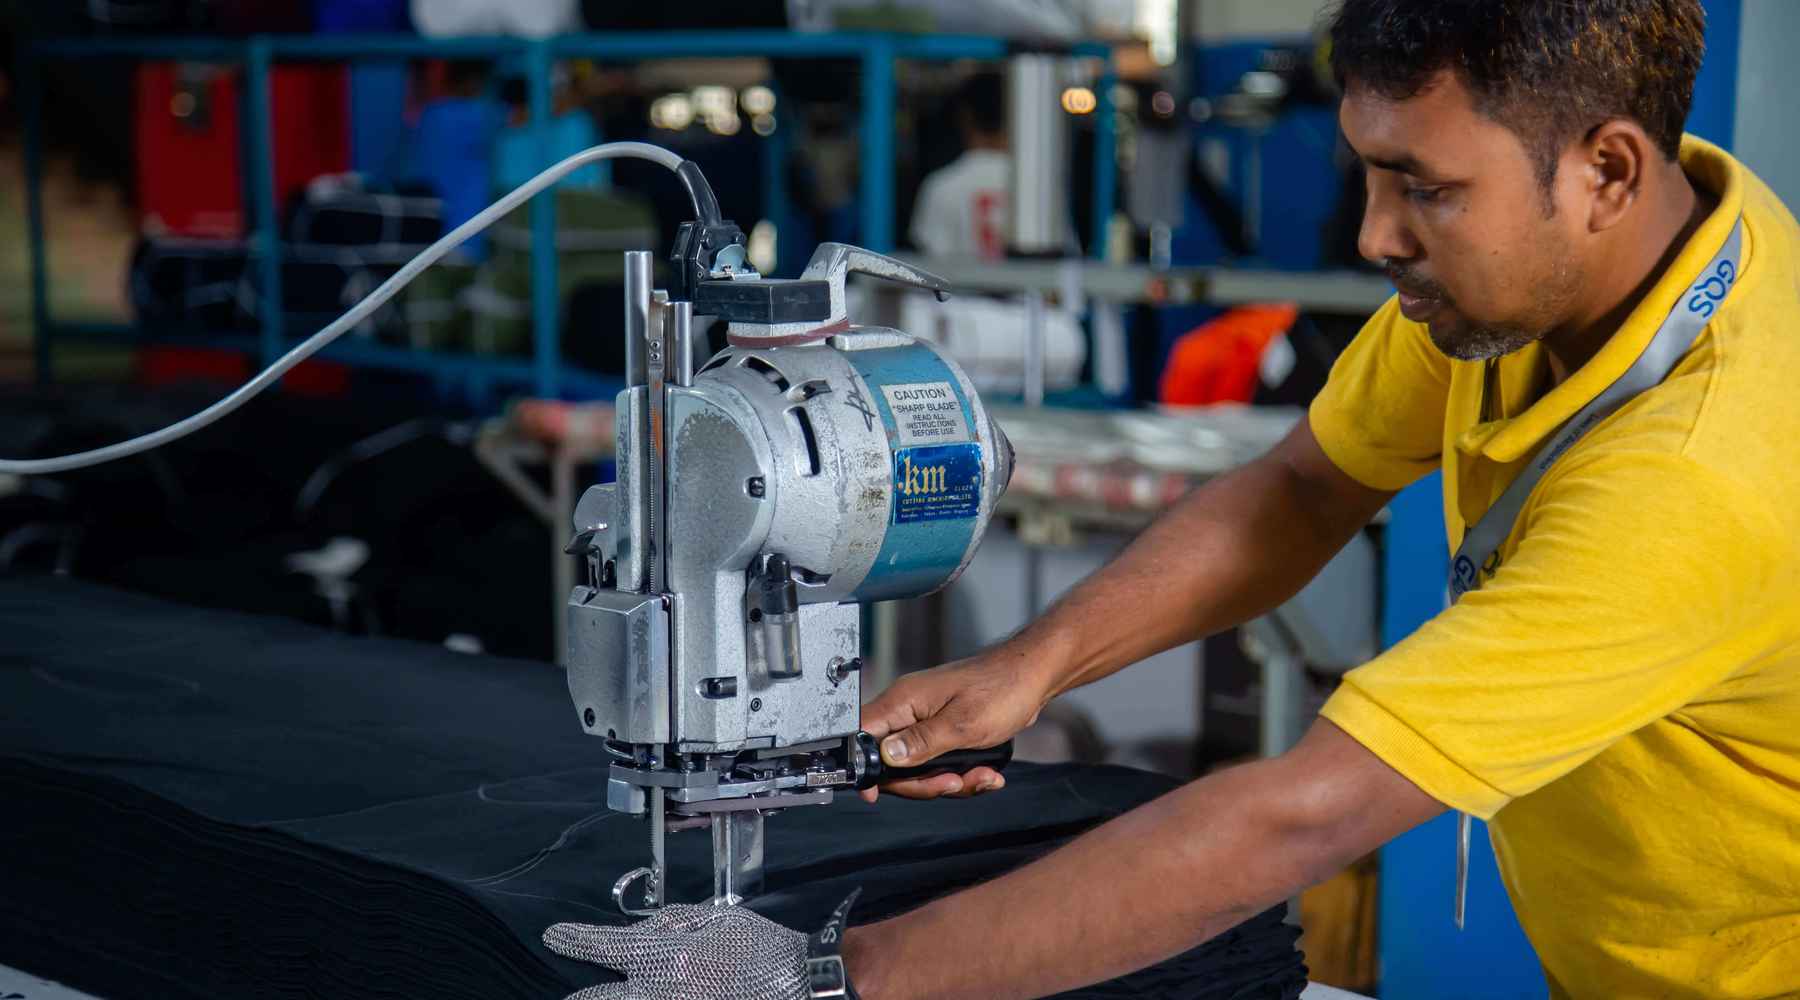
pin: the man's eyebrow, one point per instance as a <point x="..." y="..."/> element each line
<point x="1405" y="163"/>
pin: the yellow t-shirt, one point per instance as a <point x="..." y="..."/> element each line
<point x="1622" y="697"/>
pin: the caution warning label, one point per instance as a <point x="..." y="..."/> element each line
<point x="926" y="413"/>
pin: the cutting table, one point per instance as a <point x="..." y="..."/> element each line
<point x="202" y="803"/>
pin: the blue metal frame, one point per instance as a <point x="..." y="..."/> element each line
<point x="545" y="372"/>
<point x="877" y="147"/>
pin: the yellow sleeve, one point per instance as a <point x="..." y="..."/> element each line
<point x="1380" y="417"/>
<point x="1640" y="581"/>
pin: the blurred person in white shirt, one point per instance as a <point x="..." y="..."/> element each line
<point x="961" y="210"/>
<point x="961" y="213"/>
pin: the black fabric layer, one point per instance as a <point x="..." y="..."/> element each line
<point x="201" y="803"/>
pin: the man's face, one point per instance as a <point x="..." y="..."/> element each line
<point x="1456" y="216"/>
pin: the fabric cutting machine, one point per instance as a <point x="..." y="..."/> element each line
<point x="812" y="466"/>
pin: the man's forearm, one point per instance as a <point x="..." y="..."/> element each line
<point x="1143" y="887"/>
<point x="1229" y="551"/>
<point x="1147" y="885"/>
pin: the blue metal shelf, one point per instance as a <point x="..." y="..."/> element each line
<point x="522" y="371"/>
<point x="363" y="353"/>
<point x="548" y="376"/>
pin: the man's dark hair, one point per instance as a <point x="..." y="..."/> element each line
<point x="983" y="98"/>
<point x="1549" y="70"/>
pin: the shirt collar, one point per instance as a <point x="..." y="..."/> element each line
<point x="1509" y="440"/>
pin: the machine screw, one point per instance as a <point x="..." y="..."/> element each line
<point x="756" y="487"/>
<point x="756" y="704"/>
<point x="587" y="717"/>
<point x="839" y="668"/>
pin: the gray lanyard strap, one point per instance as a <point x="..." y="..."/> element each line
<point x="1478" y="556"/>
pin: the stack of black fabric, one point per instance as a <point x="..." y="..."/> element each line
<point x="200" y="803"/>
<point x="212" y="519"/>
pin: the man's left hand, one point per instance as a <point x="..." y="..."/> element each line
<point x="702" y="952"/>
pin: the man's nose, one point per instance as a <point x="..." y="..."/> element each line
<point x="1384" y="235"/>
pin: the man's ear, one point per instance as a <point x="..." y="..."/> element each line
<point x="1616" y="156"/>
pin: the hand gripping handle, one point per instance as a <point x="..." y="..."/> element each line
<point x="875" y="772"/>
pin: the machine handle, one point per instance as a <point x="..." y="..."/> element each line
<point x="875" y="772"/>
<point x="832" y="261"/>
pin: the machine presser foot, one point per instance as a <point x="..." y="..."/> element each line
<point x="737" y="841"/>
<point x="653" y="876"/>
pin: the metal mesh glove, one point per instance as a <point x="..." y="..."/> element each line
<point x="690" y="952"/>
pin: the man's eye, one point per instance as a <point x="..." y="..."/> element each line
<point x="1425" y="195"/>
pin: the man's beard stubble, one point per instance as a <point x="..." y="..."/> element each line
<point x="1463" y="340"/>
<point x="1469" y="342"/>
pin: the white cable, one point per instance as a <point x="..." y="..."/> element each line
<point x="343" y="324"/>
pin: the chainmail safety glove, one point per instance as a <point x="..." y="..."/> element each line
<point x="705" y="952"/>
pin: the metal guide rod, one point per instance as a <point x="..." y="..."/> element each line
<point x="681" y="343"/>
<point x="638" y="272"/>
<point x="659" y="867"/>
<point x="656" y="362"/>
<point x="633" y="574"/>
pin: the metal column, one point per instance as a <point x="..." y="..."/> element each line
<point x="776" y="203"/>
<point x="31" y="73"/>
<point x="1106" y="160"/>
<point x="877" y="145"/>
<point x="1038" y="137"/>
<point x="545" y="302"/>
<point x="260" y="162"/>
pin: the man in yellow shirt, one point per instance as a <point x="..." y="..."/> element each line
<point x="1618" y="691"/>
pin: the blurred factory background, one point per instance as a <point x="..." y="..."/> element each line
<point x="1145" y="205"/>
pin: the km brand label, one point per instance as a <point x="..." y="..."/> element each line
<point x="919" y="480"/>
<point x="937" y="481"/>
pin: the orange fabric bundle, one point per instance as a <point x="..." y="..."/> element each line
<point x="1219" y="360"/>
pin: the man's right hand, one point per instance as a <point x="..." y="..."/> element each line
<point x="968" y="704"/>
